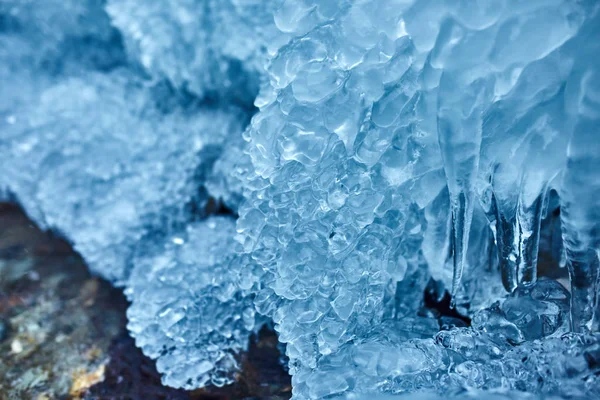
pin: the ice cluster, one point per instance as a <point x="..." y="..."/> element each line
<point x="121" y="162"/>
<point x="209" y="47"/>
<point x="418" y="195"/>
<point x="185" y="295"/>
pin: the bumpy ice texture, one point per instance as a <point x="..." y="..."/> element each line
<point x="141" y="161"/>
<point x="402" y="147"/>
<point x="186" y="299"/>
<point x="406" y="139"/>
<point x="209" y="47"/>
<point x="118" y="164"/>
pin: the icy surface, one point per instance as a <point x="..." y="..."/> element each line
<point x="209" y="47"/>
<point x="142" y="161"/>
<point x="116" y="162"/>
<point x="393" y="136"/>
<point x="41" y="41"/>
<point x="411" y="165"/>
<point x="187" y="310"/>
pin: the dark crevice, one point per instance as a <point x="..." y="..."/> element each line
<point x="217" y="207"/>
<point x="551" y="241"/>
<point x="440" y="304"/>
<point x="9" y="24"/>
<point x="131" y="375"/>
<point x="92" y="53"/>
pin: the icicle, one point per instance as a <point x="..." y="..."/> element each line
<point x="492" y="250"/>
<point x="504" y="208"/>
<point x="518" y="223"/>
<point x="506" y="239"/>
<point x="462" y="214"/>
<point x="580" y="206"/>
<point x="529" y="218"/>
<point x="437" y="243"/>
<point x="459" y="130"/>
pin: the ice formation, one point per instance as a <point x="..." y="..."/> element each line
<point x="393" y="136"/>
<point x="186" y="297"/>
<point x="209" y="47"/>
<point x="143" y="162"/>
<point x="405" y="152"/>
<point x="118" y="163"/>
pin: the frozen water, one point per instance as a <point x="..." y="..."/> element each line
<point x="43" y="40"/>
<point x="143" y="162"/>
<point x="470" y="394"/>
<point x="399" y="137"/>
<point x="116" y="163"/>
<point x="411" y="165"/>
<point x="187" y="308"/>
<point x="209" y="47"/>
<point x="498" y="353"/>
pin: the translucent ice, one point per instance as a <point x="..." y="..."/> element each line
<point x="498" y="353"/>
<point x="117" y="164"/>
<point x="402" y="137"/>
<point x="580" y="188"/>
<point x="187" y="310"/>
<point x="43" y="40"/>
<point x="414" y="167"/>
<point x="143" y="161"/>
<point x="209" y="47"/>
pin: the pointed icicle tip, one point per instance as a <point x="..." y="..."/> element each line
<point x="462" y="214"/>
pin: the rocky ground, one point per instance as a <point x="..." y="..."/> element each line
<point x="63" y="335"/>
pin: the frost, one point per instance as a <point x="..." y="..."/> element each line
<point x="187" y="310"/>
<point x="107" y="180"/>
<point x="117" y="164"/>
<point x="209" y="47"/>
<point x="416" y="174"/>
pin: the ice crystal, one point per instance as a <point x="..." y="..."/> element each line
<point x="416" y="175"/>
<point x="188" y="310"/>
<point x="393" y="136"/>
<point x="209" y="47"/>
<point x="107" y="179"/>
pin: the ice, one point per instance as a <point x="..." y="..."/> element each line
<point x="223" y="181"/>
<point x="538" y="311"/>
<point x="416" y="174"/>
<point x="580" y="189"/>
<point x="187" y="310"/>
<point x="456" y="363"/>
<point x="51" y="34"/>
<point x="399" y="137"/>
<point x="117" y="163"/>
<point x="41" y="41"/>
<point x="499" y="353"/>
<point x="144" y="162"/>
<point x="471" y="394"/>
<point x="209" y="47"/>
